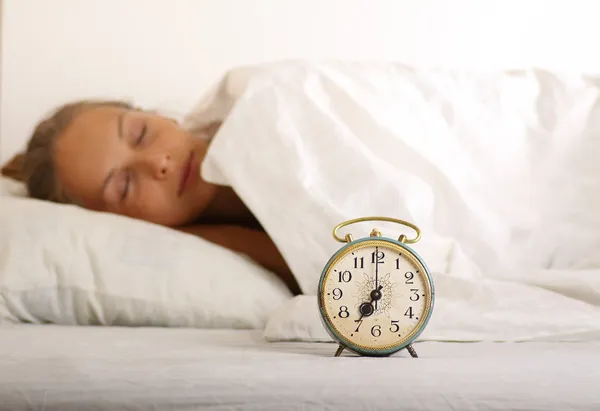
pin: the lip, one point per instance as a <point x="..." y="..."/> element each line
<point x="188" y="174"/>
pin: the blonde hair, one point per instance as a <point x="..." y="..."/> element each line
<point x="38" y="169"/>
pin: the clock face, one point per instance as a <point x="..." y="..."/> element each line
<point x="376" y="296"/>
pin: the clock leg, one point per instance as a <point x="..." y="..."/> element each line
<point x="412" y="351"/>
<point x="339" y="350"/>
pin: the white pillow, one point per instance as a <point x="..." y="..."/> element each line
<point x="11" y="187"/>
<point x="66" y="265"/>
<point x="298" y="319"/>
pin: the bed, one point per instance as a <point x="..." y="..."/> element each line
<point x="103" y="312"/>
<point x="96" y="368"/>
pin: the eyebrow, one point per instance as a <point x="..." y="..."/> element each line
<point x="120" y="134"/>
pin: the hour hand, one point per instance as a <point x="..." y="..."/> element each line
<point x="366" y="309"/>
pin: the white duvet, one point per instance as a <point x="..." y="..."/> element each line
<point x="499" y="170"/>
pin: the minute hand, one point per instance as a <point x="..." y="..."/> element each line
<point x="376" y="272"/>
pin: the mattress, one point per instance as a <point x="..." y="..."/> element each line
<point x="50" y="367"/>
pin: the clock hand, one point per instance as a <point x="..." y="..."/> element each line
<point x="376" y="272"/>
<point x="366" y="309"/>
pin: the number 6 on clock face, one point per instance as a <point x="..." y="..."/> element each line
<point x="375" y="296"/>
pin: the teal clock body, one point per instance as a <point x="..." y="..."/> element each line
<point x="375" y="294"/>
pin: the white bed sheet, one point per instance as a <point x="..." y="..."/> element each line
<point x="102" y="368"/>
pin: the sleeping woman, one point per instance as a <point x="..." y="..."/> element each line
<point x="113" y="157"/>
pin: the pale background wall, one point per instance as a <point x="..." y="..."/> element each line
<point x="165" y="53"/>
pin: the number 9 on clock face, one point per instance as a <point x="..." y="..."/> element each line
<point x="375" y="296"/>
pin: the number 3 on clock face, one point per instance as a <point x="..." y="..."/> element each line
<point x="375" y="296"/>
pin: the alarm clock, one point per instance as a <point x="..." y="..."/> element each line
<point x="375" y="293"/>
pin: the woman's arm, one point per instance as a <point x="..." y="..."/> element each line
<point x="255" y="244"/>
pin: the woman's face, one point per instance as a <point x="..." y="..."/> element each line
<point x="133" y="163"/>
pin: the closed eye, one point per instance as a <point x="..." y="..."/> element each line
<point x="141" y="136"/>
<point x="125" y="190"/>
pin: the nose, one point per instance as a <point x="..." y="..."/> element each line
<point x="160" y="165"/>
